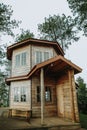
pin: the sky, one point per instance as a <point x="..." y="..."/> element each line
<point x="33" y="12"/>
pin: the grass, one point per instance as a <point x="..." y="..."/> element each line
<point x="83" y="120"/>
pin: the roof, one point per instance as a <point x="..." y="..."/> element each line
<point x="55" y="45"/>
<point x="54" y="66"/>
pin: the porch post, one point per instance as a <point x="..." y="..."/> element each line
<point x="42" y="95"/>
<point x="70" y="72"/>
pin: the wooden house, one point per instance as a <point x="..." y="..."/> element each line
<point x="42" y="80"/>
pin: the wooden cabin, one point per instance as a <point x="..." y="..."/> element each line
<point x="42" y="80"/>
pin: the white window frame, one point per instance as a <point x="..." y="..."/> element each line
<point x="42" y="56"/>
<point x="19" y="95"/>
<point x="20" y="59"/>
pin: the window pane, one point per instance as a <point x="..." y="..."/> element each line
<point x="46" y="56"/>
<point x="23" y="58"/>
<point x="38" y="94"/>
<point x="17" y="60"/>
<point x="38" y="57"/>
<point x="16" y="94"/>
<point x="23" y="94"/>
<point x="47" y="94"/>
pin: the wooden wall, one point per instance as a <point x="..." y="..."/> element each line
<point x="66" y="97"/>
<point x="21" y="70"/>
<point x="50" y="107"/>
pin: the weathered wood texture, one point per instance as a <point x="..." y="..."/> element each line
<point x="21" y="70"/>
<point x="66" y="97"/>
<point x="75" y="116"/>
<point x="50" y="107"/>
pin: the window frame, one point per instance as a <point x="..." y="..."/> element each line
<point x="38" y="94"/>
<point x="22" y="59"/>
<point x="18" y="93"/>
<point x="41" y="56"/>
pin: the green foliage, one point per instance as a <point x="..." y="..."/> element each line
<point x="83" y="120"/>
<point x="79" y="10"/>
<point x="82" y="95"/>
<point x="2" y="55"/>
<point x="3" y="90"/>
<point x="24" y="35"/>
<point x="6" y="24"/>
<point x="59" y="28"/>
<point x="4" y="69"/>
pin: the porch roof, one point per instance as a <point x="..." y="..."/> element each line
<point x="54" y="67"/>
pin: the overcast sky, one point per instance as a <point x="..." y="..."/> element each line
<point x="33" y="12"/>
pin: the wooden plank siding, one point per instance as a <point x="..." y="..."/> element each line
<point x="50" y="107"/>
<point x="21" y="70"/>
<point x="67" y="98"/>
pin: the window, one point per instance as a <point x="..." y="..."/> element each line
<point x="17" y="60"/>
<point x="16" y="94"/>
<point x="38" y="57"/>
<point x="20" y="59"/>
<point x="46" y="56"/>
<point x="38" y="94"/>
<point x="23" y="94"/>
<point x="20" y="94"/>
<point x="23" y="58"/>
<point x="47" y="94"/>
<point x="41" y="56"/>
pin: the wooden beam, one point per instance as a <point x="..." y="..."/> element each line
<point x="42" y="95"/>
<point x="71" y="73"/>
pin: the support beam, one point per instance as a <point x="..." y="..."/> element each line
<point x="71" y="74"/>
<point x="42" y="95"/>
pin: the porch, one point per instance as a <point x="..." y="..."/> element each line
<point x="52" y="123"/>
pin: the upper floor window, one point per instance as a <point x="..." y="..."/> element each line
<point x="20" y="94"/>
<point x="46" y="56"/>
<point x="20" y="59"/>
<point x="38" y="57"/>
<point x="41" y="56"/>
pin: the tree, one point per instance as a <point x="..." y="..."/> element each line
<point x="3" y="74"/>
<point x="6" y="24"/>
<point x="82" y="95"/>
<point x="79" y="10"/>
<point x="60" y="29"/>
<point x="25" y="34"/>
<point x="6" y="27"/>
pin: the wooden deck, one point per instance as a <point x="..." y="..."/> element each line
<point x="52" y="123"/>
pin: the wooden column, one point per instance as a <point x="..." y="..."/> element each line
<point x="70" y="72"/>
<point x="42" y="95"/>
